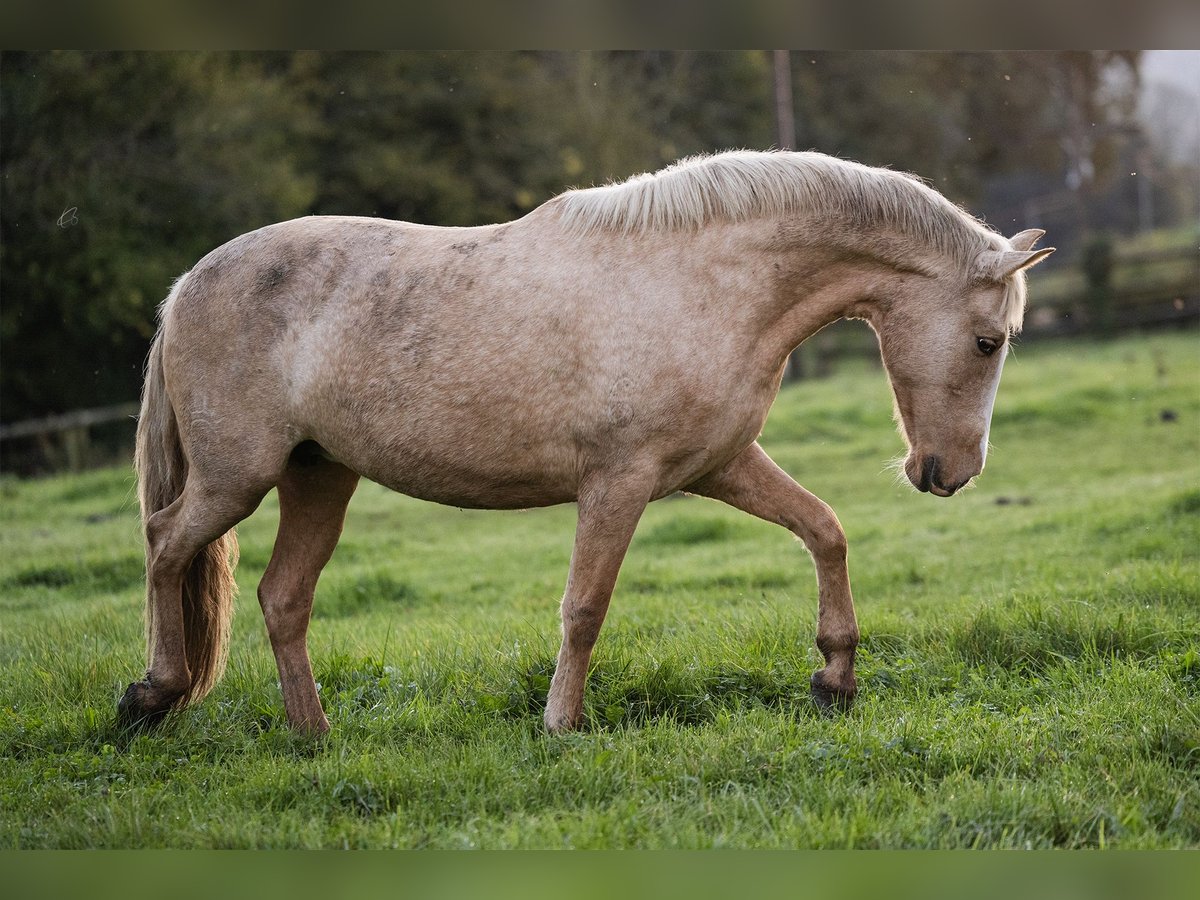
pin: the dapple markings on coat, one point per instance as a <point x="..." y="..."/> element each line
<point x="613" y="346"/>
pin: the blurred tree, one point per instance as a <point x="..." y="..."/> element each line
<point x="467" y="138"/>
<point x="424" y="137"/>
<point x="120" y="171"/>
<point x="1096" y="93"/>
<point x="1172" y="117"/>
<point x="958" y="118"/>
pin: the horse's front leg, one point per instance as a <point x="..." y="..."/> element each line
<point x="753" y="483"/>
<point x="609" y="509"/>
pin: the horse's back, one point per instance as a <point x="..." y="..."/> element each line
<point x="293" y="266"/>
<point x="407" y="352"/>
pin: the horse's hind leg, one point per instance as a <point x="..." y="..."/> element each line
<point x="313" y="495"/>
<point x="205" y="510"/>
<point x="753" y="483"/>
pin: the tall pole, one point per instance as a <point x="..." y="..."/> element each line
<point x="785" y="111"/>
<point x="1145" y="185"/>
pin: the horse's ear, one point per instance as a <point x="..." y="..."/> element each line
<point x="1026" y="239"/>
<point x="1000" y="264"/>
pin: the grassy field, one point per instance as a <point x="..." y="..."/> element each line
<point x="1029" y="673"/>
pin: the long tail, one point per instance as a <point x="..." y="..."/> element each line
<point x="208" y="586"/>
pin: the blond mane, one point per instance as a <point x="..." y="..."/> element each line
<point x="742" y="184"/>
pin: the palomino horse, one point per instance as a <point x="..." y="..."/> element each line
<point x="613" y="346"/>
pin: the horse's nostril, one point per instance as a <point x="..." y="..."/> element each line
<point x="928" y="473"/>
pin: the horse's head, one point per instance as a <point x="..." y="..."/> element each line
<point x="944" y="342"/>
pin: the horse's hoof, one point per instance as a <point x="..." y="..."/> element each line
<point x="138" y="709"/>
<point x="829" y="697"/>
<point x="561" y="724"/>
<point x="314" y="729"/>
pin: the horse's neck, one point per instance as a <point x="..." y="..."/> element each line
<point x="809" y="281"/>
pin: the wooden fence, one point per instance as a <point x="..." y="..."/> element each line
<point x="1147" y="288"/>
<point x="66" y="441"/>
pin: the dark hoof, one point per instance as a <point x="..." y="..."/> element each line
<point x="139" y="710"/>
<point x="831" y="698"/>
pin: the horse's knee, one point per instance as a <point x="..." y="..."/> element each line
<point x="830" y="544"/>
<point x="582" y="623"/>
<point x="286" y="612"/>
<point x="158" y="534"/>
<point x="822" y="534"/>
<point x="170" y="547"/>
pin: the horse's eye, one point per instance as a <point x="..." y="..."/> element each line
<point x="987" y="346"/>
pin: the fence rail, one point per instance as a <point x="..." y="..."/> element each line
<point x="65" y="441"/>
<point x="79" y="418"/>
<point x="1143" y="288"/>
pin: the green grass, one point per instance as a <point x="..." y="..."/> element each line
<point x="1029" y="672"/>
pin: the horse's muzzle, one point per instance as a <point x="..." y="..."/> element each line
<point x="930" y="480"/>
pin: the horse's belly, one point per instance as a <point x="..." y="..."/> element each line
<point x="477" y="493"/>
<point x="469" y="480"/>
